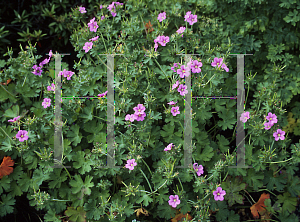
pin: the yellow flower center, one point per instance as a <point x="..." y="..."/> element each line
<point x="47" y="103"/>
<point x="278" y="135"/>
<point x="139" y="110"/>
<point x="183" y="70"/>
<point x="131" y="164"/>
<point x="197" y="169"/>
<point x="270" y="118"/>
<point x="21" y="135"/>
<point x="218" y="194"/>
<point x="196" y="67"/>
<point x="68" y="75"/>
<point x="175" y="200"/>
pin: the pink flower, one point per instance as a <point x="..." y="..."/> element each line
<point x="164" y="40"/>
<point x="50" y="53"/>
<point x="279" y="134"/>
<point x="87" y="46"/>
<point x="183" y="71"/>
<point x="172" y="103"/>
<point x="161" y="16"/>
<point x="199" y="169"/>
<point x="268" y="125"/>
<point x="180" y="30"/>
<point x="94" y="39"/>
<point x="187" y="16"/>
<point x="51" y="88"/>
<point x="140" y="117"/>
<point x="244" y="117"/>
<point x="192" y="19"/>
<point x="272" y="118"/>
<point x="224" y="67"/>
<point x="102" y="17"/>
<point x="174" y="200"/>
<point x="14" y="119"/>
<point x="196" y="66"/>
<point x="22" y="135"/>
<point x="169" y="147"/>
<point x="139" y="109"/>
<point x="102" y="94"/>
<point x="175" y="110"/>
<point x="93" y="25"/>
<point x="130" y="118"/>
<point x="182" y="89"/>
<point x="68" y="74"/>
<point x="101" y="6"/>
<point x="175" y="85"/>
<point x="131" y="164"/>
<point x="37" y="70"/>
<point x="44" y="62"/>
<point x="217" y="62"/>
<point x="82" y="10"/>
<point x="219" y="194"/>
<point x="46" y="103"/>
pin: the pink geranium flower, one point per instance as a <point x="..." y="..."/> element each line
<point x="140" y="117"/>
<point x="174" y="200"/>
<point x="182" y="89"/>
<point x="37" y="70"/>
<point x="139" y="109"/>
<point x="272" y="118"/>
<point x="169" y="147"/>
<point x="183" y="71"/>
<point x="51" y="88"/>
<point x="161" y="16"/>
<point x="219" y="194"/>
<point x="172" y="103"/>
<point x="175" y="110"/>
<point x="22" y="135"/>
<point x="175" y="85"/>
<point x="82" y="10"/>
<point x="244" y="117"/>
<point x="199" y="169"/>
<point x="217" y="62"/>
<point x="94" y="39"/>
<point x="279" y="134"/>
<point x="87" y="46"/>
<point x="93" y="25"/>
<point x="14" y="119"/>
<point x="46" y="103"/>
<point x="131" y="164"/>
<point x="195" y="66"/>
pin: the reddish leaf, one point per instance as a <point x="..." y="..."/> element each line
<point x="149" y="27"/>
<point x="259" y="206"/>
<point x="6" y="166"/>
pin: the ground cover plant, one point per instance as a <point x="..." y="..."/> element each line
<point x="150" y="91"/>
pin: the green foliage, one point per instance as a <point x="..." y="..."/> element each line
<point x="141" y="76"/>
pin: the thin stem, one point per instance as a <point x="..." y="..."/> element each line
<point x="147" y="180"/>
<point x="250" y="196"/>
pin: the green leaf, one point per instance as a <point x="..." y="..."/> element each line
<point x="270" y="180"/>
<point x="233" y="217"/>
<point x="207" y="153"/>
<point x="14" y="112"/>
<point x="145" y="199"/>
<point x="76" y="215"/>
<point x="15" y="189"/>
<point x="51" y="216"/>
<point x="222" y="143"/>
<point x="82" y="163"/>
<point x="228" y="119"/>
<point x="232" y="189"/>
<point x="74" y="135"/>
<point x="6" y="204"/>
<point x="4" y="185"/>
<point x="57" y="178"/>
<point x="253" y="179"/>
<point x="289" y="203"/>
<point x="294" y="186"/>
<point x="166" y="211"/>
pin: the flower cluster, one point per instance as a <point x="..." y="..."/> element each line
<point x="279" y="134"/>
<point x="162" y="40"/>
<point x="190" y="18"/>
<point x="139" y="114"/>
<point x="198" y="169"/>
<point x="112" y="8"/>
<point x="219" y="62"/>
<point x="37" y="70"/>
<point x="181" y="30"/>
